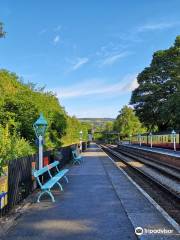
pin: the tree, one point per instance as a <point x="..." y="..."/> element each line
<point x="156" y="100"/>
<point x="21" y="104"/>
<point x="108" y="126"/>
<point x="127" y="123"/>
<point x="2" y="33"/>
<point x="73" y="131"/>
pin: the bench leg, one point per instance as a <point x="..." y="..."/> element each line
<point x="66" y="179"/>
<point x="48" y="192"/>
<point x="60" y="186"/>
<point x="76" y="161"/>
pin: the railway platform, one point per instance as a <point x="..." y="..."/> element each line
<point x="100" y="203"/>
<point x="168" y="152"/>
<point x="164" y="156"/>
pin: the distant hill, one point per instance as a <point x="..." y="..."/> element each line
<point x="96" y="119"/>
<point x="96" y="122"/>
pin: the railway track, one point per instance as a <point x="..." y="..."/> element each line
<point x="159" y="180"/>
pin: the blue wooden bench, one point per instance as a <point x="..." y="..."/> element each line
<point x="77" y="158"/>
<point x="53" y="180"/>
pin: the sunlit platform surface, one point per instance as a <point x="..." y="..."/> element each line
<point x="169" y="152"/>
<point x="99" y="203"/>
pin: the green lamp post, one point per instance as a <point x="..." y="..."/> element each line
<point x="40" y="127"/>
<point x="139" y="136"/>
<point x="81" y="135"/>
<point x="150" y="134"/>
<point x="130" y="138"/>
<point x="174" y="139"/>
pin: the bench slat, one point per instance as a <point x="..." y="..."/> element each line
<point x="54" y="179"/>
<point x="54" y="164"/>
<point x="49" y="184"/>
<point x="61" y="173"/>
<point x="41" y="171"/>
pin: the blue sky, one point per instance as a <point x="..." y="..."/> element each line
<point x="88" y="52"/>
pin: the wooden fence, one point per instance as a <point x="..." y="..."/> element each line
<point x="20" y="181"/>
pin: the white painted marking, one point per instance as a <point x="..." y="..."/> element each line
<point x="155" y="204"/>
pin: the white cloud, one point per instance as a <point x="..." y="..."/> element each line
<point x="98" y="87"/>
<point x="133" y="84"/>
<point x="111" y="53"/>
<point x="111" y="48"/>
<point x="56" y="39"/>
<point x="157" y="26"/>
<point x="114" y="58"/>
<point x="134" y="35"/>
<point x="78" y="63"/>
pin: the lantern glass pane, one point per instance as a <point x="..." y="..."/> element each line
<point x="40" y="130"/>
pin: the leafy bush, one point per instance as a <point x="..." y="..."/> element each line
<point x="12" y="146"/>
<point x="20" y="106"/>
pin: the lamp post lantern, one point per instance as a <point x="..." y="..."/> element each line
<point x="139" y="135"/>
<point x="80" y="137"/>
<point x="174" y="139"/>
<point x="150" y="134"/>
<point x="40" y="127"/>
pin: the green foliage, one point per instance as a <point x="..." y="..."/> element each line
<point x="96" y="124"/>
<point x="157" y="98"/>
<point x="85" y="127"/>
<point x="73" y="131"/>
<point x="106" y="133"/>
<point x="127" y="123"/>
<point x="12" y="146"/>
<point x="20" y="106"/>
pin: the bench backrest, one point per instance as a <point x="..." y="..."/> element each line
<point x="40" y="172"/>
<point x="45" y="169"/>
<point x="54" y="164"/>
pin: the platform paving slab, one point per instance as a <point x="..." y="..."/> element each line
<point x="89" y="208"/>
